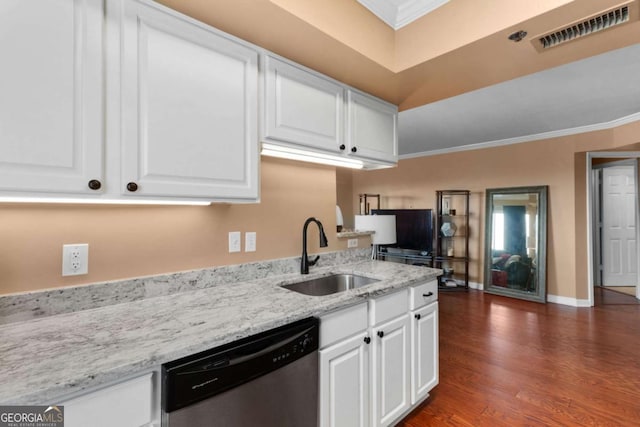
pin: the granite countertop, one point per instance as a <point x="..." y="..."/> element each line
<point x="47" y="358"/>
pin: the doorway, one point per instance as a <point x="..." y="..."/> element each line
<point x="613" y="207"/>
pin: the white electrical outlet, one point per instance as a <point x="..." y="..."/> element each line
<point x="352" y="243"/>
<point x="75" y="259"/>
<point x="250" y="241"/>
<point x="234" y="241"/>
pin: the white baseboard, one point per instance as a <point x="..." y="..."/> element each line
<point x="474" y="285"/>
<point x="573" y="302"/>
<point x="555" y="299"/>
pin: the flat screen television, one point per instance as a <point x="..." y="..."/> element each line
<point x="414" y="228"/>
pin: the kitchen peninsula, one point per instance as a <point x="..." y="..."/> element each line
<point x="50" y="358"/>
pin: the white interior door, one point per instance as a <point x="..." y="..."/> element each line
<point x="619" y="261"/>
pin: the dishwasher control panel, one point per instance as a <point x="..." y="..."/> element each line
<point x="305" y="344"/>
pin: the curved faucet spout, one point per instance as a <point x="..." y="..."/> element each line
<point x="305" y="263"/>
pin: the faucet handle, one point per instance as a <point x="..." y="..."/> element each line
<point x="313" y="261"/>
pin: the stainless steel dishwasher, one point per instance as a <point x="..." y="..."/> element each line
<point x="269" y="379"/>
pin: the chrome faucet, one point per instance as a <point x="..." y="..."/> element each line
<point x="305" y="263"/>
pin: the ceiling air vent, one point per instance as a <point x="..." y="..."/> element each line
<point x="588" y="26"/>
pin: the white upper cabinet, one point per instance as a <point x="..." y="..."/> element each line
<point x="180" y="115"/>
<point x="372" y="128"/>
<point x="123" y="99"/>
<point x="189" y="108"/>
<point x="306" y="110"/>
<point x="301" y="107"/>
<point x="51" y="97"/>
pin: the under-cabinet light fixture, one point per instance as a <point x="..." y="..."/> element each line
<point x="73" y="200"/>
<point x="309" y="156"/>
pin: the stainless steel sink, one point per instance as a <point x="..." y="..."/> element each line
<point x="328" y="285"/>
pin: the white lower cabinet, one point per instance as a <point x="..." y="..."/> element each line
<point x="379" y="360"/>
<point x="131" y="403"/>
<point x="390" y="374"/>
<point x="344" y="368"/>
<point x="344" y="383"/>
<point x="424" y="351"/>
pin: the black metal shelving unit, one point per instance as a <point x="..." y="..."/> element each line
<point x="405" y="256"/>
<point x="451" y="251"/>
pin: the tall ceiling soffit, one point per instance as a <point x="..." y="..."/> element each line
<point x="457" y="47"/>
<point x="398" y="13"/>
<point x="449" y="25"/>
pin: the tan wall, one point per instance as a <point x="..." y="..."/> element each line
<point x="345" y="198"/>
<point x="130" y="241"/>
<point x="426" y="61"/>
<point x="559" y="163"/>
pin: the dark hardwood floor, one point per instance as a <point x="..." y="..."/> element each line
<point x="604" y="296"/>
<point x="507" y="362"/>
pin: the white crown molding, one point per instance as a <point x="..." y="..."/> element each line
<point x="528" y="138"/>
<point x="398" y="13"/>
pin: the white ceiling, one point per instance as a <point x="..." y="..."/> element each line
<point x="398" y="13"/>
<point x="595" y="93"/>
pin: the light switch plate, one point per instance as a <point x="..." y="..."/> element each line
<point x="234" y="241"/>
<point x="250" y="241"/>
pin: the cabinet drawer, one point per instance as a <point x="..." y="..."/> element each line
<point x="424" y="294"/>
<point x="387" y="307"/>
<point x="127" y="404"/>
<point x="342" y="324"/>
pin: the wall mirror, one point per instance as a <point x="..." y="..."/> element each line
<point x="516" y="242"/>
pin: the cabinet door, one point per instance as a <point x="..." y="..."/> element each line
<point x="372" y="128"/>
<point x="344" y="390"/>
<point x="390" y="374"/>
<point x="189" y="108"/>
<point x="424" y="351"/>
<point x="128" y="404"/>
<point x="51" y="98"/>
<point x="302" y="107"/>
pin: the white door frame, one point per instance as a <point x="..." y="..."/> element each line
<point x="629" y="156"/>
